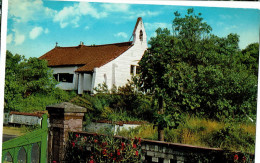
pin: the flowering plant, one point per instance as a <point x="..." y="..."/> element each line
<point x="101" y="148"/>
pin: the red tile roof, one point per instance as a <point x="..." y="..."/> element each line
<point x="88" y="57"/>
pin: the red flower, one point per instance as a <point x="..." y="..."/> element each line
<point x="134" y="145"/>
<point x="54" y="161"/>
<point x="95" y="141"/>
<point x="118" y="152"/>
<point x="236" y="157"/>
<point x="104" y="144"/>
<point x="244" y="158"/>
<point x="139" y="140"/>
<point x="77" y="135"/>
<point x="73" y="144"/>
<point x="91" y="161"/>
<point x="136" y="153"/>
<point x="114" y="158"/>
<point x="111" y="154"/>
<point x="123" y="145"/>
<point x="104" y="152"/>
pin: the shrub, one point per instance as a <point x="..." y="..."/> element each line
<point x="121" y="104"/>
<point x="232" y="137"/>
<point x="104" y="148"/>
<point x="39" y="101"/>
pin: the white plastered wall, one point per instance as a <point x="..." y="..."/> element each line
<point x="118" y="71"/>
<point x="70" y="70"/>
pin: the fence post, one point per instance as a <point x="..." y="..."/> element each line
<point x="64" y="118"/>
<point x="44" y="125"/>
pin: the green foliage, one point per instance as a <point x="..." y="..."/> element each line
<point x="233" y="138"/>
<point x="104" y="148"/>
<point x="203" y="132"/>
<point x="121" y="116"/>
<point x="250" y="57"/>
<point x="200" y="73"/>
<point x="26" y="129"/>
<point x="29" y="85"/>
<point x="118" y="104"/>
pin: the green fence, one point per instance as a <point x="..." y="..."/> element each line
<point x="29" y="148"/>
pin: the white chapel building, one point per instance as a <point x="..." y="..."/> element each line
<point x="83" y="67"/>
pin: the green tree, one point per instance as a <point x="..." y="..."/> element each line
<point x="13" y="90"/>
<point x="250" y="57"/>
<point x="27" y="82"/>
<point x="196" y="72"/>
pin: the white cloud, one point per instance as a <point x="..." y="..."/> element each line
<point x="156" y="25"/>
<point x="18" y="38"/>
<point x="87" y="9"/>
<point x="230" y="28"/>
<point x="148" y="13"/>
<point x="121" y="34"/>
<point x="225" y="16"/>
<point x="35" y="32"/>
<point x="86" y="27"/>
<point x="72" y="14"/>
<point x="9" y="38"/>
<point x="23" y="11"/>
<point x="26" y="10"/>
<point x="135" y="14"/>
<point x="110" y="7"/>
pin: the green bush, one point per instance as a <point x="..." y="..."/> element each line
<point x="104" y="149"/>
<point x="118" y="104"/>
<point x="232" y="137"/>
<point x="39" y="101"/>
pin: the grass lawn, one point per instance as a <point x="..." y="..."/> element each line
<point x="18" y="131"/>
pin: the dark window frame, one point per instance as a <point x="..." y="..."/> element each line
<point x="64" y="77"/>
<point x="141" y="35"/>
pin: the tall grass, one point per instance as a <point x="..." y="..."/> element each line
<point x="204" y="132"/>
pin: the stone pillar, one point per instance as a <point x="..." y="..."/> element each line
<point x="63" y="118"/>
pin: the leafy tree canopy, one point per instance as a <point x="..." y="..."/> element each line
<point x="200" y="73"/>
<point x="28" y="82"/>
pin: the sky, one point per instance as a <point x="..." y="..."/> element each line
<point x="34" y="26"/>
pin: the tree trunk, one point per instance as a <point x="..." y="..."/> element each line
<point x="160" y="127"/>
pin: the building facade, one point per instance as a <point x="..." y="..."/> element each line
<point x="83" y="67"/>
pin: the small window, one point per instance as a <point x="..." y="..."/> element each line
<point x="64" y="77"/>
<point x="132" y="69"/>
<point x="141" y="35"/>
<point x="138" y="70"/>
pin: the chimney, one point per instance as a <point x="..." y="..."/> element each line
<point x="81" y="43"/>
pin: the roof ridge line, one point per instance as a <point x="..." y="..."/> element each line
<point x="94" y="45"/>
